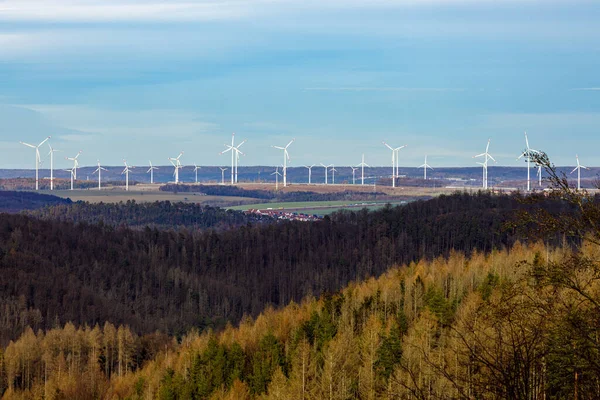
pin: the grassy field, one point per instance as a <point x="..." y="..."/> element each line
<point x="315" y="207"/>
<point x="141" y="196"/>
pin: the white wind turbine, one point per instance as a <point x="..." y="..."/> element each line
<point x="326" y="169"/>
<point x="362" y="165"/>
<point x="277" y="175"/>
<point x="333" y="171"/>
<point x="176" y="162"/>
<point x="487" y="156"/>
<point x="72" y="171"/>
<point x="539" y="175"/>
<point x="126" y="172"/>
<point x="235" y="158"/>
<point x="196" y="168"/>
<point x="38" y="159"/>
<point x="99" y="171"/>
<point x="75" y="163"/>
<point x="395" y="161"/>
<point x="425" y="166"/>
<point x="151" y="171"/>
<point x="527" y="154"/>
<point x="578" y="169"/>
<point x="353" y="175"/>
<point x="51" y="154"/>
<point x="222" y="175"/>
<point x="286" y="158"/>
<point x="309" y="172"/>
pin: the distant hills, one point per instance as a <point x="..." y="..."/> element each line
<point x="470" y="176"/>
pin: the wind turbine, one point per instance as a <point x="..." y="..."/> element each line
<point x="425" y="166"/>
<point x="539" y="174"/>
<point x="235" y="158"/>
<point x="176" y="162"/>
<point x="353" y="173"/>
<point x="72" y="171"/>
<point x="395" y="160"/>
<point x="362" y="165"/>
<point x="75" y="163"/>
<point x="487" y="156"/>
<point x="151" y="171"/>
<point x="222" y="175"/>
<point x="99" y="171"/>
<point x="277" y="175"/>
<point x="333" y="170"/>
<point x="286" y="157"/>
<point x="51" y="154"/>
<point x="196" y="168"/>
<point x="326" y="168"/>
<point x="578" y="169"/>
<point x="126" y="172"/>
<point x="37" y="159"/>
<point x="309" y="172"/>
<point x="527" y="154"/>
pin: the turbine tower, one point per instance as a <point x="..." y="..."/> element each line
<point x="176" y="162"/>
<point x="196" y="168"/>
<point x="75" y="163"/>
<point x="235" y="158"/>
<point x="578" y="169"/>
<point x="353" y="175"/>
<point x="539" y="175"/>
<point x="277" y="175"/>
<point x="527" y="154"/>
<point x="326" y="168"/>
<point x="362" y="166"/>
<point x="151" y="171"/>
<point x="333" y="170"/>
<point x="425" y="166"/>
<point x="487" y="156"/>
<point x="126" y="172"/>
<point x="38" y="159"/>
<point x="51" y="154"/>
<point x="395" y="161"/>
<point x="72" y="171"/>
<point x="99" y="171"/>
<point x="222" y="175"/>
<point x="309" y="172"/>
<point x="286" y="158"/>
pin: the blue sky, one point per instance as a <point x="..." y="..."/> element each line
<point x="146" y="79"/>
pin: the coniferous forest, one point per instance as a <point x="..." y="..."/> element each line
<point x="457" y="297"/>
<point x="56" y="271"/>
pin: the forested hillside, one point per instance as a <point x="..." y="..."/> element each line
<point x="160" y="214"/>
<point x="15" y="201"/>
<point x="54" y="272"/>
<point x="489" y="326"/>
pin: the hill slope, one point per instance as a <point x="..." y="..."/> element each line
<point x="57" y="272"/>
<point x="477" y="327"/>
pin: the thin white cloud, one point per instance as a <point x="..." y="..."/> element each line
<point x="192" y="10"/>
<point x="130" y="123"/>
<point x="588" y="89"/>
<point x="112" y="10"/>
<point x="383" y="89"/>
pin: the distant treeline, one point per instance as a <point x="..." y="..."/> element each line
<point x="15" y="201"/>
<point x="163" y="214"/>
<point x="54" y="272"/>
<point x="59" y="184"/>
<point x="227" y="190"/>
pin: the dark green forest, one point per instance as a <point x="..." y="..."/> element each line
<point x="160" y="214"/>
<point x="55" y="272"/>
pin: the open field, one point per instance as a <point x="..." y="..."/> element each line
<point x="316" y="207"/>
<point x="148" y="195"/>
<point x="320" y="188"/>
